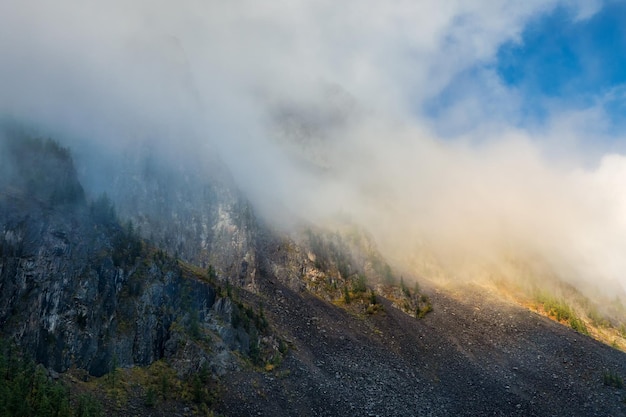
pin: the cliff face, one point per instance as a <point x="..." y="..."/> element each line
<point x="78" y="289"/>
<point x="191" y="210"/>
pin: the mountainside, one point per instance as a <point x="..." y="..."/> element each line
<point x="195" y="306"/>
<point x="80" y="290"/>
<point x="470" y="356"/>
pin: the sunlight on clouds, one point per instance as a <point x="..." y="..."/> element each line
<point x="316" y="107"/>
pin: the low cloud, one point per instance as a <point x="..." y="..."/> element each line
<point x="318" y="109"/>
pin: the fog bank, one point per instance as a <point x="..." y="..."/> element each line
<point x="318" y="110"/>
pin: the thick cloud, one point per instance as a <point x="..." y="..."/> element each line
<point x="317" y="107"/>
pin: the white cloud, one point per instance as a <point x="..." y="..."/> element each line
<point x="316" y="107"/>
<point x="585" y="9"/>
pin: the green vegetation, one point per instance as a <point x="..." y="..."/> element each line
<point x="597" y="319"/>
<point x="374" y="306"/>
<point x="359" y="285"/>
<point x="331" y="252"/>
<point x="254" y="324"/>
<point x="346" y="295"/>
<point x="612" y="379"/>
<point x="351" y="266"/>
<point x="127" y="245"/>
<point x="192" y="317"/>
<point x="26" y="390"/>
<point x="102" y="211"/>
<point x="249" y="319"/>
<point x="578" y="325"/>
<point x="373" y="299"/>
<point x="587" y="312"/>
<point x="403" y="287"/>
<point x="412" y="302"/>
<point x="382" y="269"/>
<point x="211" y="273"/>
<point x="157" y="384"/>
<point x="112" y="376"/>
<point x="42" y="168"/>
<point x="88" y="406"/>
<point x="561" y="311"/>
<point x="150" y="398"/>
<point x="202" y="392"/>
<point x="424" y="306"/>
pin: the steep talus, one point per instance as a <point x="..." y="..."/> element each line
<point x="479" y="356"/>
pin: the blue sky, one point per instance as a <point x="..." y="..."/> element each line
<point x="574" y="61"/>
<point x="560" y="62"/>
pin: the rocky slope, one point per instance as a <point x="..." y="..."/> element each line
<point x="472" y="355"/>
<point x="79" y="290"/>
<point x="253" y="322"/>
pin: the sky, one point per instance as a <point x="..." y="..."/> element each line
<point x="475" y="131"/>
<point x="575" y="61"/>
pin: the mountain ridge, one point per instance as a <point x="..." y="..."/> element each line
<point x="283" y="326"/>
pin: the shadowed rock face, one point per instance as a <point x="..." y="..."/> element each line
<point x="78" y="289"/>
<point x="67" y="298"/>
<point x="192" y="211"/>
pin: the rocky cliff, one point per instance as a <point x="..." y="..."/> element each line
<point x="77" y="289"/>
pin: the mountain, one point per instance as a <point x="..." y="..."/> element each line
<point x="169" y="296"/>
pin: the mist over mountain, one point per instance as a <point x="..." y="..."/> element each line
<point x="194" y="305"/>
<point x="308" y="152"/>
<point x="327" y="121"/>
